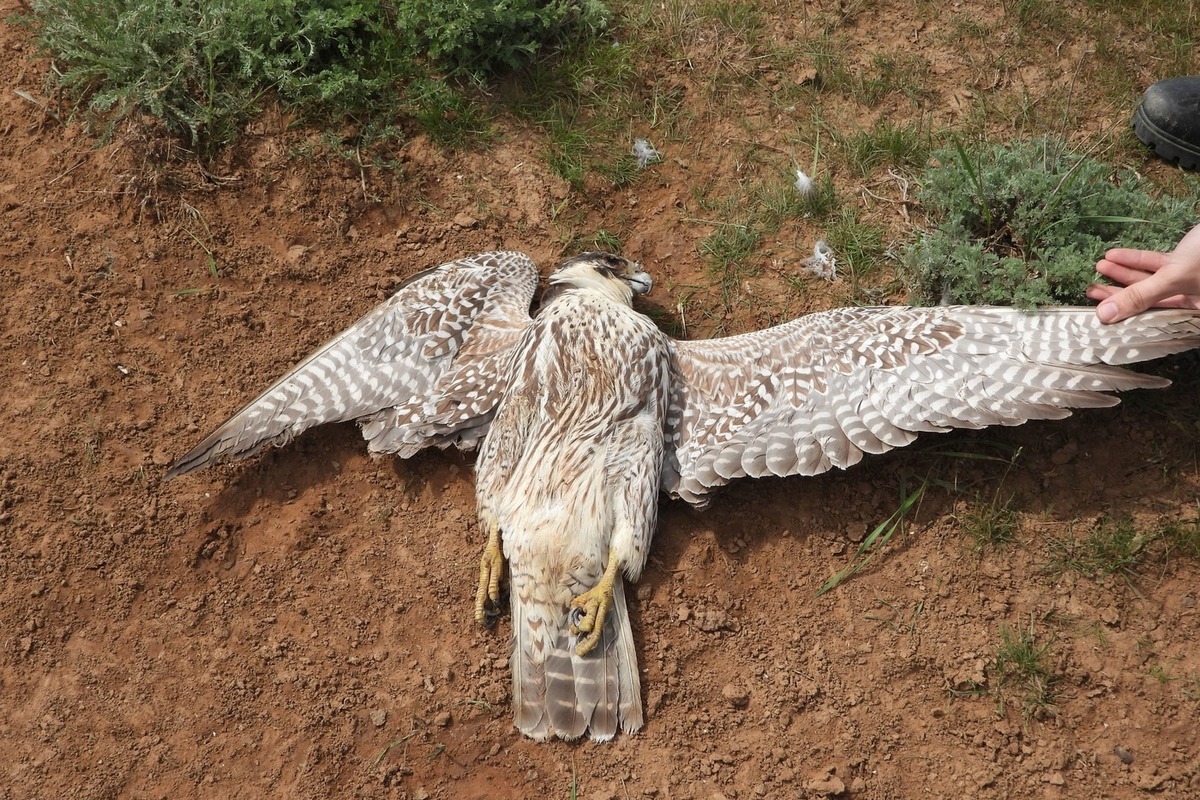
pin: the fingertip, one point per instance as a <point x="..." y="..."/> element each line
<point x="1108" y="311"/>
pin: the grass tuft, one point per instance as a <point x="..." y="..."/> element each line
<point x="877" y="539"/>
<point x="1112" y="547"/>
<point x="1117" y="546"/>
<point x="1022" y="671"/>
<point x="991" y="524"/>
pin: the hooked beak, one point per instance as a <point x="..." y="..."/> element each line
<point x="641" y="282"/>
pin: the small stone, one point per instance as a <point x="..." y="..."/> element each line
<point x="1149" y="781"/>
<point x="443" y="719"/>
<point x="1054" y="779"/>
<point x="736" y="695"/>
<point x="465" y="220"/>
<point x="712" y="619"/>
<point x="827" y="784"/>
<point x="1123" y="754"/>
<point x="378" y="717"/>
<point x="1065" y="454"/>
<point x="858" y="785"/>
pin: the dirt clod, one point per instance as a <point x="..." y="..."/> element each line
<point x="828" y="785"/>
<point x="735" y="695"/>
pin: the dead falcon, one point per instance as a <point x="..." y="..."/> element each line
<point x="585" y="411"/>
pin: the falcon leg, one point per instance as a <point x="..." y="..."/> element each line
<point x="491" y="567"/>
<point x="589" y="610"/>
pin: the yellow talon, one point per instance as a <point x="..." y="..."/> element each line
<point x="590" y="609"/>
<point x="491" y="567"/>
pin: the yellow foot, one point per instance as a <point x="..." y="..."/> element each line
<point x="590" y="609"/>
<point x="491" y="567"/>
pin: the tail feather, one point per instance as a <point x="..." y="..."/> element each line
<point x="557" y="692"/>
<point x="567" y="719"/>
<point x="629" y="684"/>
<point x="528" y="669"/>
<point x="596" y="684"/>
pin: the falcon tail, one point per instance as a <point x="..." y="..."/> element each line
<point x="555" y="691"/>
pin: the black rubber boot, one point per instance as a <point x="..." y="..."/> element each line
<point x="1168" y="120"/>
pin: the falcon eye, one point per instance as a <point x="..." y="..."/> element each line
<point x="608" y="265"/>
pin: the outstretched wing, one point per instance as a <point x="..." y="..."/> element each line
<point x="427" y="366"/>
<point x="824" y="389"/>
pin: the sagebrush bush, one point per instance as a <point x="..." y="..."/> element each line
<point x="203" y="66"/>
<point x="1023" y="224"/>
<point x="485" y="37"/>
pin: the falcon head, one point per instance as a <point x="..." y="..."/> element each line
<point x="605" y="272"/>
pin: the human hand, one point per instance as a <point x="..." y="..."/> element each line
<point x="1149" y="279"/>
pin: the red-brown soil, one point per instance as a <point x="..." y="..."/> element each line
<point x="300" y="625"/>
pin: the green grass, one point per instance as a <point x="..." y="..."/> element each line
<point x="204" y="68"/>
<point x="452" y="118"/>
<point x="582" y="100"/>
<point x="1117" y="546"/>
<point x="901" y="621"/>
<point x="886" y="145"/>
<point x="1164" y="19"/>
<point x="1035" y="17"/>
<point x="1111" y="547"/>
<point x="1180" y="538"/>
<point x="599" y="240"/>
<point x="1022" y="672"/>
<point x="991" y="523"/>
<point x="859" y="248"/>
<point x="821" y="200"/>
<point x="727" y="251"/>
<point x="877" y="539"/>
<point x="746" y="220"/>
<point x="742" y="19"/>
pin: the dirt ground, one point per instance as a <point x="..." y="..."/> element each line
<point x="300" y="625"/>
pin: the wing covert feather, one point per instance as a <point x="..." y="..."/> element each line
<point x="821" y="391"/>
<point x="424" y="367"/>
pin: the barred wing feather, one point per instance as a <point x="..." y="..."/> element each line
<point x="823" y="390"/>
<point x="424" y="367"/>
